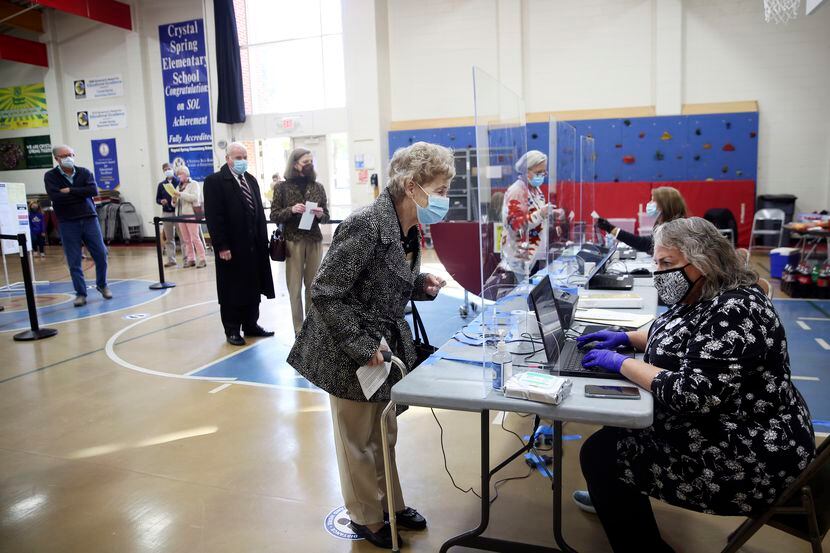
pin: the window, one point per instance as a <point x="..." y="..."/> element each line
<point x="292" y="55"/>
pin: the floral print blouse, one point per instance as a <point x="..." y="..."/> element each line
<point x="523" y="226"/>
<point x="730" y="430"/>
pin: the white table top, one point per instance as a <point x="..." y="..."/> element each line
<point x="459" y="386"/>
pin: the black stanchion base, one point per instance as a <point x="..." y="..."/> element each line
<point x="162" y="285"/>
<point x="39" y="334"/>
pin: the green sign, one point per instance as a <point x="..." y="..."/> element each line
<point x="29" y="152"/>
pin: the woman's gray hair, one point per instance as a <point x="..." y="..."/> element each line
<point x="182" y="169"/>
<point x="709" y="251"/>
<point x="531" y="159"/>
<point x="420" y="163"/>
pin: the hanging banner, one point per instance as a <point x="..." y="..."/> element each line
<point x="184" y="73"/>
<point x="114" y="117"/>
<point x="105" y="163"/>
<point x="98" y="87"/>
<point x="198" y="159"/>
<point x="23" y="107"/>
<point x="26" y="152"/>
<point x="14" y="215"/>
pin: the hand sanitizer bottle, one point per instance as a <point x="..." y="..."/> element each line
<point x="502" y="365"/>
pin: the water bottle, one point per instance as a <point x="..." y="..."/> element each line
<point x="502" y="366"/>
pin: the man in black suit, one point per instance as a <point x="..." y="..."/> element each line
<point x="236" y="221"/>
<point x="71" y="189"/>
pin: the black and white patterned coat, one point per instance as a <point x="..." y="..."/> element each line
<point x="730" y="430"/>
<point x="357" y="297"/>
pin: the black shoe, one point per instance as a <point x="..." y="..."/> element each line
<point x="408" y="518"/>
<point x="236" y="340"/>
<point x="382" y="538"/>
<point x="258" y="331"/>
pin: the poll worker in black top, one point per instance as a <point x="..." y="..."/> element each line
<point x="168" y="209"/>
<point x="71" y="189"/>
<point x="666" y="204"/>
<point x="236" y="221"/>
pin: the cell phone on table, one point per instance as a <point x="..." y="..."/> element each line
<point x="612" y="392"/>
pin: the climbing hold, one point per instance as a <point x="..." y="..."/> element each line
<point x="728" y="125"/>
<point x="709" y="179"/>
<point x="534" y="136"/>
<point x="452" y="138"/>
<point x="629" y="159"/>
<point x="697" y="158"/>
<point x="753" y="134"/>
<point x="707" y="146"/>
<point x="698" y="132"/>
<point x="665" y="136"/>
<point x="659" y="156"/>
<point x="728" y="147"/>
<point x="679" y="156"/>
<point x="616" y="179"/>
<point x="724" y="169"/>
<point x="739" y="173"/>
<point x="590" y="135"/>
<point x="642" y="135"/>
<point x="627" y="122"/>
<point x="618" y="145"/>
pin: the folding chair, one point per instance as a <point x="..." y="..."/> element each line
<point x="803" y="510"/>
<point x="765" y="216"/>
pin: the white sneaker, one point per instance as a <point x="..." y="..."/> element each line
<point x="583" y="501"/>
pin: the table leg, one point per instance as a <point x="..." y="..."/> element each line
<point x="557" y="489"/>
<point x="473" y="538"/>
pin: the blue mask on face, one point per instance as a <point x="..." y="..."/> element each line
<point x="435" y="211"/>
<point x="537" y="180"/>
<point x="240" y="166"/>
<point x="652" y="210"/>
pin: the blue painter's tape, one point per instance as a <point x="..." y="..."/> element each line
<point x="820" y="423"/>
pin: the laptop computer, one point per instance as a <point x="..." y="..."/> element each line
<point x="566" y="308"/>
<point x="609" y="281"/>
<point x="561" y="354"/>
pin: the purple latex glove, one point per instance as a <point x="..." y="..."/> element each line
<point x="605" y="339"/>
<point x="604" y="359"/>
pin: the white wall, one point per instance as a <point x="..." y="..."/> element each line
<point x="732" y="54"/>
<point x="597" y="54"/>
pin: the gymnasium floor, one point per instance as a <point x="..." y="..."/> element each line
<point x="127" y="432"/>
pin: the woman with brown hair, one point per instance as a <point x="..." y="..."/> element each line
<point x="666" y="204"/>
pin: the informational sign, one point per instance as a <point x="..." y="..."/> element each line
<point x="14" y="215"/>
<point x="198" y="159"/>
<point x="114" y="117"/>
<point x="105" y="163"/>
<point x="23" y="107"/>
<point x="184" y="71"/>
<point x="29" y="152"/>
<point x="98" y="87"/>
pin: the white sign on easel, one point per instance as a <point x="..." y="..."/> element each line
<point x="14" y="219"/>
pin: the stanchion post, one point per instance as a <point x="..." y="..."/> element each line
<point x="161" y="284"/>
<point x="36" y="333"/>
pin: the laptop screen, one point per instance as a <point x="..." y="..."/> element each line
<point x="602" y="262"/>
<point x="550" y="326"/>
<point x="565" y="306"/>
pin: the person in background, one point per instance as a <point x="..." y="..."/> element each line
<point x="370" y="273"/>
<point x="730" y="430"/>
<point x="666" y="205"/>
<point x="164" y="199"/>
<point x="188" y="196"/>
<point x="37" y="229"/>
<point x="236" y="222"/>
<point x="71" y="189"/>
<point x="275" y="179"/>
<point x="304" y="247"/>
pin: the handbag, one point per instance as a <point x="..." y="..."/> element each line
<point x="276" y="247"/>
<point x="423" y="349"/>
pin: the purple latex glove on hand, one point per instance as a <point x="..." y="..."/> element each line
<point x="604" y="359"/>
<point x="605" y="339"/>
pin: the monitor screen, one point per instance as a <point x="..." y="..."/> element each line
<point x="602" y="262"/>
<point x="553" y="335"/>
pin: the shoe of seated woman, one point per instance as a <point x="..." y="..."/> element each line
<point x="583" y="501"/>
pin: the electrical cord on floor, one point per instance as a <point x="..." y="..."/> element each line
<point x="497" y="484"/>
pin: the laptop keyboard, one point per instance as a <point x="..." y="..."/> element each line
<point x="574" y="361"/>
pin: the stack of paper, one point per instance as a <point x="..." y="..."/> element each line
<point x="612" y="318"/>
<point x="598" y="298"/>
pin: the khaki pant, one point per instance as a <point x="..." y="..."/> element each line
<point x="169" y="239"/>
<point x="359" y="447"/>
<point x="301" y="268"/>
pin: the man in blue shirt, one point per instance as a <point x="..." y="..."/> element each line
<point x="71" y="190"/>
<point x="168" y="208"/>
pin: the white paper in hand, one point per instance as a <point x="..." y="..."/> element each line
<point x="594" y="214"/>
<point x="372" y="378"/>
<point x="308" y="217"/>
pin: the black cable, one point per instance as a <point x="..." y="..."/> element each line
<point x="444" y="454"/>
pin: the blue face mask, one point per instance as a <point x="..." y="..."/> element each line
<point x="240" y="166"/>
<point x="537" y="180"/>
<point x="435" y="211"/>
<point x="652" y="210"/>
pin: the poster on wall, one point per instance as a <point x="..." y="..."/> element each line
<point x="114" y="117"/>
<point x="184" y="71"/>
<point x="95" y="88"/>
<point x="23" y="107"/>
<point x="198" y="159"/>
<point x="26" y="152"/>
<point x="14" y="215"/>
<point x="105" y="163"/>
